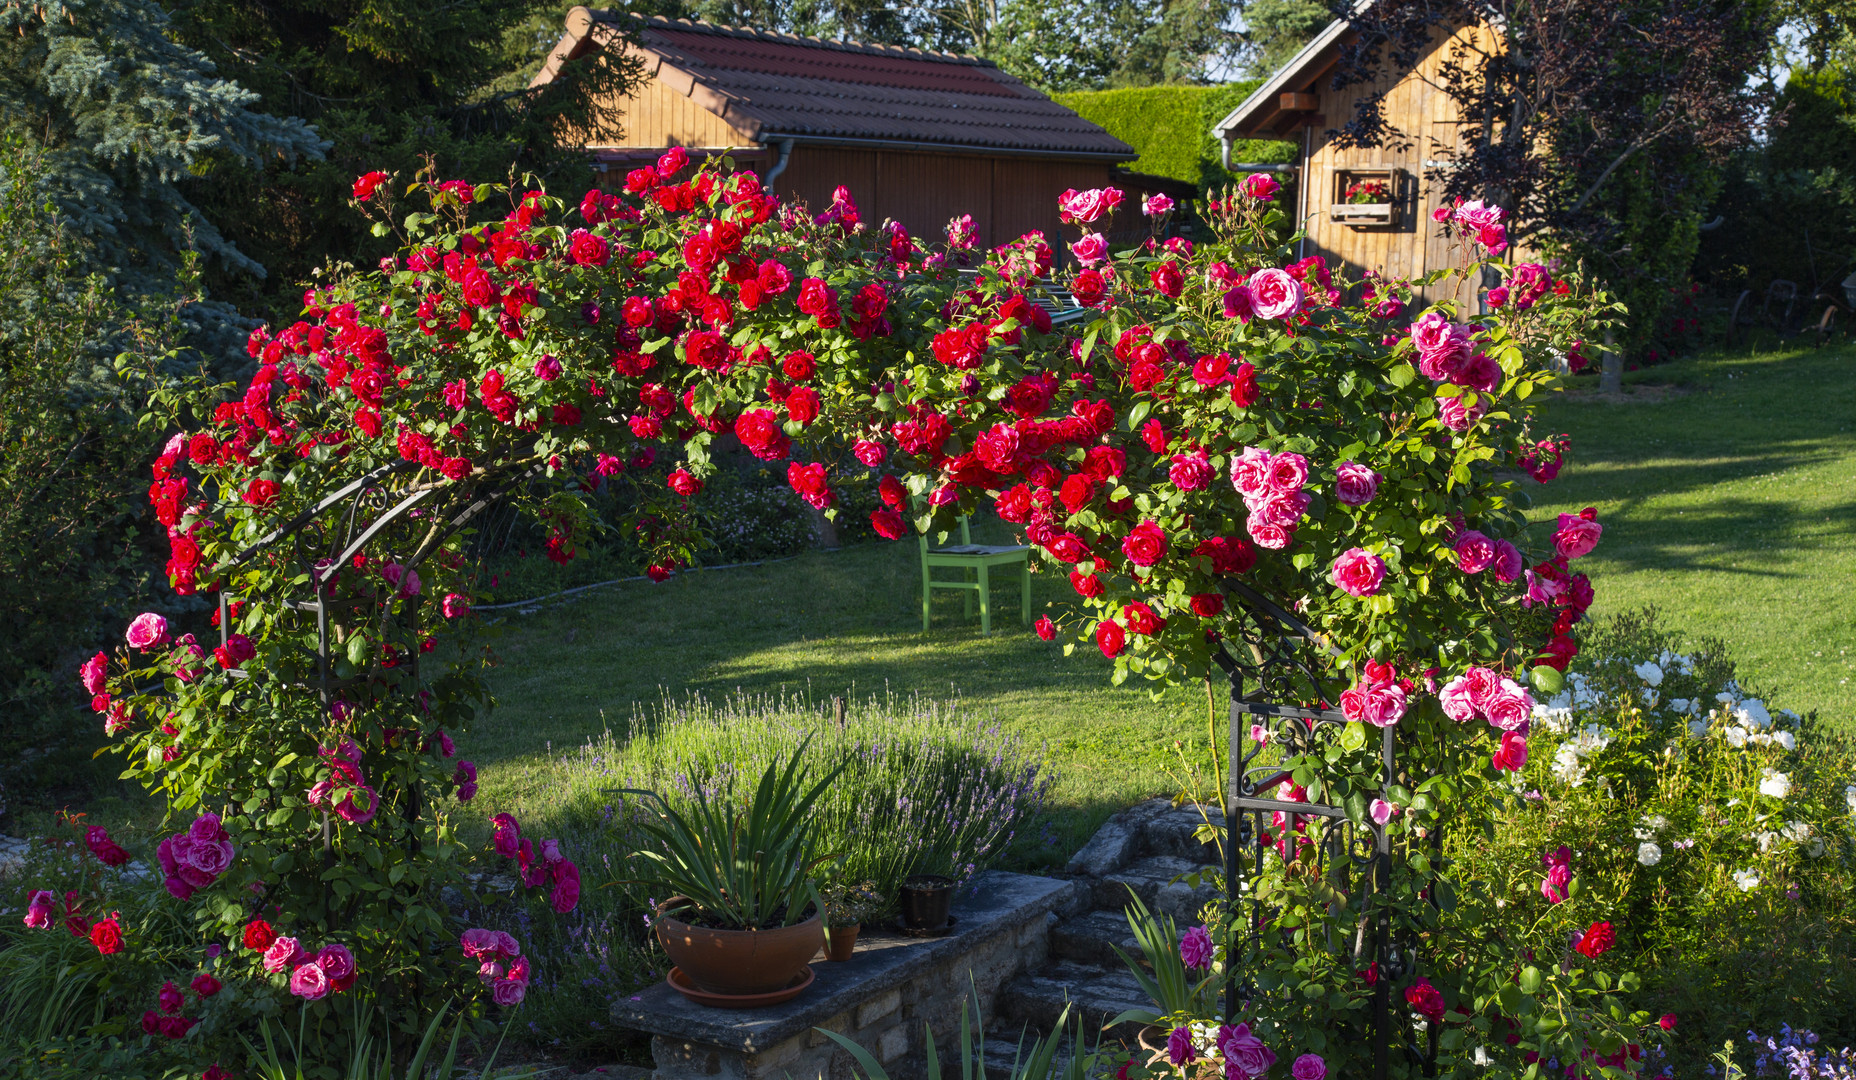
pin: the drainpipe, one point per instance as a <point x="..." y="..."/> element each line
<point x="1225" y="140"/>
<point x="779" y="166"/>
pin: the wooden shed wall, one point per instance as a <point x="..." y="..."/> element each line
<point x="1427" y="119"/>
<point x="1006" y="196"/>
<point x="658" y="115"/>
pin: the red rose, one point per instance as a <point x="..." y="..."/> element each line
<point x="1596" y="941"/>
<point x="683" y="483"/>
<point x="889" y="489"/>
<point x="1110" y="638"/>
<point x="1558" y="653"/>
<point x="759" y="431"/>
<point x="566" y="415"/>
<point x="1668" y="1022"/>
<point x="261" y="492"/>
<point x="1154" y="436"/>
<point x="258" y="935"/>
<point x="1244" y="385"/>
<point x="887" y="523"/>
<point x="1047" y="629"/>
<point x="205" y="985"/>
<point x="588" y="249"/>
<point x="1145" y="545"/>
<point x="1425" y="1000"/>
<point x="1087" y="586"/>
<point x="802" y="404"/>
<point x="1141" y="619"/>
<point x="1088" y="288"/>
<point x="1207" y="605"/>
<point x="1068" y="547"/>
<point x="1168" y="280"/>
<point x="799" y="366"/>
<point x="1076" y="492"/>
<point x="184" y="551"/>
<point x="107" y="935"/>
<point x="365" y="184"/>
<point x="1229" y="555"/>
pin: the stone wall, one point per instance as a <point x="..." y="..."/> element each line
<point x="885" y="999"/>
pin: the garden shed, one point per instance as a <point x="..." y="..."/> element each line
<point x="1386" y="227"/>
<point x="917" y="136"/>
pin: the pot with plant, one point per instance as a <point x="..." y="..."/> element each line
<point x="744" y="915"/>
<point x="847" y="907"/>
<point x="928" y="893"/>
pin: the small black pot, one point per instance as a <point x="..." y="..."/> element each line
<point x="925" y="900"/>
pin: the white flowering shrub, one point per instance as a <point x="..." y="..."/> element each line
<point x="1714" y="832"/>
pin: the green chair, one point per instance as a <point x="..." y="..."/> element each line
<point x="974" y="561"/>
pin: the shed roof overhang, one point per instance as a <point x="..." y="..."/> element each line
<point x="1262" y="115"/>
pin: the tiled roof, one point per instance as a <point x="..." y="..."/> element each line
<point x="769" y="85"/>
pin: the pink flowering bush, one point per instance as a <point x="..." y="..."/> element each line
<point x="1223" y="415"/>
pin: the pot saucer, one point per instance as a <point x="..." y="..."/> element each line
<point x="681" y="984"/>
<point x="910" y="931"/>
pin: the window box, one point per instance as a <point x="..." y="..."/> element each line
<point x="1369" y="198"/>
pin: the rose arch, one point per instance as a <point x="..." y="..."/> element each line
<point x="1240" y="462"/>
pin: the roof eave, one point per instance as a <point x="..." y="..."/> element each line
<point x="768" y="136"/>
<point x="1246" y="121"/>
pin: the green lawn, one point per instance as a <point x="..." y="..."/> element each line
<point x="1727" y="487"/>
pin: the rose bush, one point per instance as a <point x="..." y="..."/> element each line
<point x="1221" y="415"/>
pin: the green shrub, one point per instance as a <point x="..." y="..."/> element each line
<point x="1171" y="127"/>
<point x="1712" y="832"/>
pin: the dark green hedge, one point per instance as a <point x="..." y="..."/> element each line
<point x="1171" y="127"/>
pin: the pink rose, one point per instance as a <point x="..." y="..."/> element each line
<point x="508" y="993"/>
<point x="283" y="953"/>
<point x="1265" y="535"/>
<point x="1156" y="205"/>
<point x="1510" y="707"/>
<point x="1179" y="1046"/>
<point x="1238" y="304"/>
<point x="508" y="835"/>
<point x="1196" y="949"/>
<point x="1274" y="294"/>
<point x="1382" y="811"/>
<point x="310" y="982"/>
<point x="1455" y="697"/>
<point x="1309" y="1067"/>
<point x="547" y="369"/>
<point x="1576" y="536"/>
<point x="1190" y="472"/>
<point x="456" y="605"/>
<point x="1484" y="684"/>
<point x="148" y="631"/>
<point x="1090" y="250"/>
<point x="1288" y="473"/>
<point x="39" y="910"/>
<point x="206" y="828"/>
<point x="95" y="674"/>
<point x="337" y="963"/>
<point x="1084" y="207"/>
<point x="1474" y="552"/>
<point x="1244" y="1053"/>
<point x="1478" y="214"/>
<point x="870" y="453"/>
<point x="1458" y="417"/>
<point x="358" y="805"/>
<point x="1358" y="572"/>
<point x="1480" y="373"/>
<point x="1260" y="186"/>
<point x="1378" y="704"/>
<point x="566" y="894"/>
<point x="1355" y="484"/>
<point x="477" y="942"/>
<point x="204" y="861"/>
<point x="1282" y="511"/>
<point x="506" y="944"/>
<point x="1508" y="562"/>
<point x="1250" y="473"/>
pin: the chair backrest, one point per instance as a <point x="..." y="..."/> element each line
<point x="966" y="535"/>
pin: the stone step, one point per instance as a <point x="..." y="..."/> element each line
<point x="1173" y="833"/>
<point x="1088" y="937"/>
<point x="1154" y="880"/>
<point x="1097" y="994"/>
<point x="1002" y="1051"/>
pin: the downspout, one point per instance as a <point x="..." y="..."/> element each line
<point x="1225" y="140"/>
<point x="779" y="166"/>
<point x="1301" y="192"/>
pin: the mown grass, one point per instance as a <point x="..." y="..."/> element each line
<point x="1727" y="487"/>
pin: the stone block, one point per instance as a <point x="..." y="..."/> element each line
<point x="893" y="1044"/>
<point x="878" y="1007"/>
<point x="839" y="1023"/>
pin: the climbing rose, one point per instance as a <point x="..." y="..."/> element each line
<point x="1358" y="572"/>
<point x="1144" y="545"/>
<point x="456" y="606"/>
<point x="683" y="483"/>
<point x="1191" y="472"/>
<point x="1577" y="534"/>
<point x="1380" y="704"/>
<point x="1425" y="1000"/>
<point x="283" y="953"/>
<point x="1668" y="1022"/>
<point x="888" y="524"/>
<point x="365" y="184"/>
<point x="1274" y="294"/>
<point x="1474" y="552"/>
<point x="259" y="936"/>
<point x="1045" y="628"/>
<point x="107" y="851"/>
<point x="95" y="674"/>
<point x="1355" y="485"/>
<point x="1196" y="948"/>
<point x="1309" y="1067"/>
<point x="148" y="631"/>
<point x="1596" y="941"/>
<point x="1110" y="638"/>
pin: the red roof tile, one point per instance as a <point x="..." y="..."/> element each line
<point x="779" y="84"/>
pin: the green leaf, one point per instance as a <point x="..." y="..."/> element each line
<point x="1530" y="980"/>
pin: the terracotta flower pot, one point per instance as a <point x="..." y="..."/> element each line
<point x="738" y="961"/>
<point x="843" y="939"/>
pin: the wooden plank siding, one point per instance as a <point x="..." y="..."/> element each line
<point x="1426" y="122"/>
<point x="658" y="115"/>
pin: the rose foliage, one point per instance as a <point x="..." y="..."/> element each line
<point x="1220" y="416"/>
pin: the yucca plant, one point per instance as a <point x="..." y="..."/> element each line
<point x="1043" y="1060"/>
<point x="1165" y="977"/>
<point x="749" y="872"/>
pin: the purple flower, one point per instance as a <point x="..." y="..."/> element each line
<point x="1196" y="948"/>
<point x="1179" y="1047"/>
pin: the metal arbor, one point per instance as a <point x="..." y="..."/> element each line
<point x="1273" y="663"/>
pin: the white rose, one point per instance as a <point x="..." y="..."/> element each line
<point x="1649" y="854"/>
<point x="1776" y="784"/>
<point x="1748" y="880"/>
<point x="1785" y="739"/>
<point x="1736" y="736"/>
<point x="1649" y="673"/>
<point x="1849" y="797"/>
